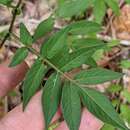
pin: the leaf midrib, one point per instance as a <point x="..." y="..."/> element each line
<point x="91" y="77"/>
<point x="54" y="83"/>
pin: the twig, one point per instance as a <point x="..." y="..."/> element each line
<point x="15" y="10"/>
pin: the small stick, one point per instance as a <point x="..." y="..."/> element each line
<point x="15" y="10"/>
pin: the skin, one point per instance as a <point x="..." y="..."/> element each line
<point x="32" y="118"/>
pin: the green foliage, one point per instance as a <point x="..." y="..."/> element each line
<point x="101" y="107"/>
<point x="96" y="76"/>
<point x="33" y="80"/>
<point x="43" y="28"/>
<point x="125" y="64"/>
<point x="77" y="58"/>
<point x="6" y="2"/>
<point x="125" y="112"/>
<point x="114" y="88"/>
<point x="113" y="5"/>
<point x="76" y="7"/>
<point x="51" y="97"/>
<point x="65" y="50"/>
<point x="128" y="1"/>
<point x="72" y="7"/>
<point x="126" y="95"/>
<point x="54" y="44"/>
<point x="108" y="127"/>
<point x="19" y="56"/>
<point x="113" y="43"/>
<point x="25" y="36"/>
<point x="86" y="43"/>
<point x="71" y="106"/>
<point x="99" y="13"/>
<point x="84" y="27"/>
<point x="98" y="55"/>
<point x="100" y="7"/>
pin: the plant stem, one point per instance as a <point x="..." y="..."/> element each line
<point x="58" y="70"/>
<point x="15" y="10"/>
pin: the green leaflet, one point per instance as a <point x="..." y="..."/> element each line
<point x="113" y="88"/>
<point x="99" y="54"/>
<point x="33" y="80"/>
<point x="86" y="43"/>
<point x="55" y="44"/>
<point x="60" y="2"/>
<point x="99" y="10"/>
<point x="91" y="62"/>
<point x="62" y="54"/>
<point x="108" y="127"/>
<point x="96" y="76"/>
<point x="125" y="112"/>
<point x="19" y="56"/>
<point x="43" y="28"/>
<point x="5" y="2"/>
<point x="113" y="4"/>
<point x="51" y="97"/>
<point x="126" y="95"/>
<point x="84" y="27"/>
<point x="72" y="7"/>
<point x="101" y="107"/>
<point x="25" y="36"/>
<point x="128" y="1"/>
<point x="77" y="58"/>
<point x="125" y="64"/>
<point x="71" y="106"/>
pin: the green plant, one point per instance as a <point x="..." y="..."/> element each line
<point x="121" y="104"/>
<point x="64" y="51"/>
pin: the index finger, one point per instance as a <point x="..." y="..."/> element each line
<point x="10" y="77"/>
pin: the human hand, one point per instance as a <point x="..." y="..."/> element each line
<point x="32" y="118"/>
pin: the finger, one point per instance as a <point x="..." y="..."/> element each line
<point x="10" y="77"/>
<point x="88" y="122"/>
<point x="31" y="119"/>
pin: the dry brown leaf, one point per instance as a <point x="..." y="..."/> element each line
<point x="121" y="24"/>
